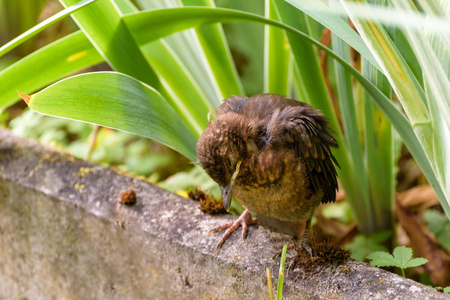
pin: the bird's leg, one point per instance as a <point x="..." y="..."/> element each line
<point x="244" y="220"/>
<point x="302" y="245"/>
<point x="305" y="238"/>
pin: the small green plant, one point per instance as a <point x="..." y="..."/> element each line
<point x="363" y="245"/>
<point x="401" y="258"/>
<point x="447" y="290"/>
<point x="280" y="277"/>
<point x="439" y="225"/>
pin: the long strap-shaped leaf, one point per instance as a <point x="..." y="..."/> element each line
<point x="117" y="101"/>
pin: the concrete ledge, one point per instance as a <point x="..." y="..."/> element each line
<point x="64" y="236"/>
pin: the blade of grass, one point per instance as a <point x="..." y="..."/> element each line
<point x="281" y="273"/>
<point x="269" y="284"/>
<point x="41" y="26"/>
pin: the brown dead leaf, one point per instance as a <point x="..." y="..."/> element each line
<point x="419" y="198"/>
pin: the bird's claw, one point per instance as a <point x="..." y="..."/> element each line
<point x="301" y="246"/>
<point x="244" y="220"/>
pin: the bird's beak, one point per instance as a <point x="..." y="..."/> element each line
<point x="227" y="192"/>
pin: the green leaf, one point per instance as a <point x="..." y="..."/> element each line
<point x="402" y="255"/>
<point x="402" y="259"/>
<point x="41" y="26"/>
<point x="117" y="101"/>
<point x="382" y="259"/>
<point x="362" y="245"/>
<point x="276" y="55"/>
<point x="447" y="290"/>
<point x="415" y="262"/>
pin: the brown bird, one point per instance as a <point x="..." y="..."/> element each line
<point x="273" y="155"/>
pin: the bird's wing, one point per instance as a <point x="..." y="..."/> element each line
<point x="306" y="130"/>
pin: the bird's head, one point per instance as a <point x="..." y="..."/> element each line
<point x="223" y="149"/>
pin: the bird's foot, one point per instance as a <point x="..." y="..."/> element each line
<point x="244" y="220"/>
<point x="304" y="253"/>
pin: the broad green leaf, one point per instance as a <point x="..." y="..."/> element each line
<point x="41" y="26"/>
<point x="50" y="63"/>
<point x="382" y="259"/>
<point x="117" y="101"/>
<point x="402" y="255"/>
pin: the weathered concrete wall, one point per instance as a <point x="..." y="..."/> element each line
<point x="64" y="236"/>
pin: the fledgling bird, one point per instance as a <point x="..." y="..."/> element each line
<point x="273" y="155"/>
